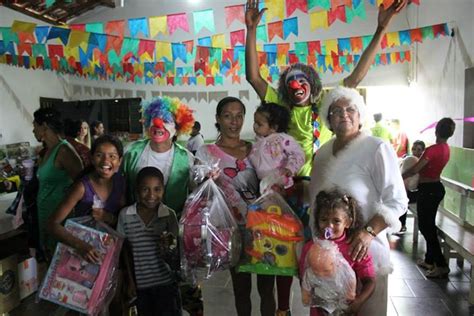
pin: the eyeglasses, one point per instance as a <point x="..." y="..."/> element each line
<point x="339" y="111"/>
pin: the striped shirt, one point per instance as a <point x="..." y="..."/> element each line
<point x="150" y="269"/>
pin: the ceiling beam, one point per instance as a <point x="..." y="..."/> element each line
<point x="33" y="15"/>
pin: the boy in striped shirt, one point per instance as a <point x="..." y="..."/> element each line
<point x="144" y="224"/>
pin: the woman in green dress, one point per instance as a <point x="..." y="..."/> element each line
<point x="59" y="165"/>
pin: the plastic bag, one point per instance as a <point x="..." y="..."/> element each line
<point x="273" y="236"/>
<point x="209" y="235"/>
<point x="328" y="282"/>
<point x="76" y="283"/>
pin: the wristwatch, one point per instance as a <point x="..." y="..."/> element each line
<point x="370" y="230"/>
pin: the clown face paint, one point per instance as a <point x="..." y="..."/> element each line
<point x="298" y="86"/>
<point x="158" y="134"/>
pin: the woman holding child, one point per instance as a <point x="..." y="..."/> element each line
<point x="239" y="182"/>
<point x="367" y="169"/>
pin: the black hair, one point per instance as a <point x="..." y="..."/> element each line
<point x="197" y="125"/>
<point x="419" y="143"/>
<point x="335" y="198"/>
<point x="445" y="128"/>
<point x="51" y="117"/>
<point x="93" y="125"/>
<point x="107" y="139"/>
<point x="222" y="103"/>
<point x="313" y="79"/>
<point x="72" y="127"/>
<point x="149" y="172"/>
<point x="278" y="116"/>
<point x="377" y="117"/>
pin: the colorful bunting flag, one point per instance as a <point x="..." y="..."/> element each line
<point x="275" y="29"/>
<point x="115" y="28"/>
<point x="218" y="40"/>
<point x="157" y="25"/>
<point x="59" y="32"/>
<point x="137" y="26"/>
<point x="262" y="33"/>
<point x="26" y="27"/>
<point x="95" y="27"/>
<point x="235" y="12"/>
<point x="176" y="21"/>
<point x="290" y="26"/>
<point x="292" y="5"/>
<point x="318" y="19"/>
<point x="204" y="19"/>
<point x="237" y="37"/>
<point x="275" y="8"/>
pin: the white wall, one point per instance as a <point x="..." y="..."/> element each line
<point x="437" y="77"/>
<point x="434" y="56"/>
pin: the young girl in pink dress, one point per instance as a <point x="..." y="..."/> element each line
<point x="276" y="153"/>
<point x="339" y="214"/>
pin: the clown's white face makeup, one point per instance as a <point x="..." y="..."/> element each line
<point x="298" y="86"/>
<point x="158" y="134"/>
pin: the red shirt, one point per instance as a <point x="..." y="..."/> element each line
<point x="437" y="157"/>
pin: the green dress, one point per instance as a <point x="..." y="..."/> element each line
<point x="53" y="183"/>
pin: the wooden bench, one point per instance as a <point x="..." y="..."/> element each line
<point x="455" y="233"/>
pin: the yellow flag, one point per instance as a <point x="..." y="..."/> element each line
<point x="218" y="40"/>
<point x="79" y="38"/>
<point x="264" y="71"/>
<point x="163" y="49"/>
<point x="161" y="81"/>
<point x="318" y="19"/>
<point x="71" y="52"/>
<point x="214" y="68"/>
<point x="201" y="80"/>
<point x="275" y="8"/>
<point x="331" y="46"/>
<point x="158" y="24"/>
<point x="145" y="57"/>
<point x="19" y="26"/>
<point x="281" y="59"/>
<point x="328" y="61"/>
<point x="393" y="39"/>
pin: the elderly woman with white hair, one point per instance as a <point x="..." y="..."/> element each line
<point x="367" y="169"/>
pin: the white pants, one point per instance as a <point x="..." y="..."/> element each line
<point x="376" y="305"/>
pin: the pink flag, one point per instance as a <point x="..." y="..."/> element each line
<point x="176" y="21"/>
<point x="237" y="37"/>
<point x="234" y="12"/>
<point x="292" y="5"/>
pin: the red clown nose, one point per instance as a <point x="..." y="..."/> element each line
<point x="294" y="84"/>
<point x="157" y="122"/>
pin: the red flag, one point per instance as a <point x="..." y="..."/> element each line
<point x="25" y="48"/>
<point x="54" y="63"/>
<point x="384" y="42"/>
<point x="408" y="56"/>
<point x="416" y="35"/>
<point x="237" y="37"/>
<point x="338" y="3"/>
<point x="293" y="58"/>
<point x="24" y="37"/>
<point x="283" y="49"/>
<point x="439" y="29"/>
<point x="228" y="54"/>
<point x="262" y="59"/>
<point x="170" y="81"/>
<point x="383" y="59"/>
<point x="189" y="46"/>
<point x="146" y="46"/>
<point x="312" y="60"/>
<point x="313" y="47"/>
<point x="55" y="50"/>
<point x="414" y="1"/>
<point x="113" y="42"/>
<point x="356" y="44"/>
<point x="234" y="12"/>
<point x="397" y="57"/>
<point x="78" y="27"/>
<point x="115" y="27"/>
<point x="337" y="13"/>
<point x="209" y="81"/>
<point x="235" y="79"/>
<point x="203" y="53"/>
<point x="275" y="28"/>
<point x="388" y="3"/>
<point x="292" y="5"/>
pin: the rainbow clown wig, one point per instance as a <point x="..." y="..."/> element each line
<point x="174" y="115"/>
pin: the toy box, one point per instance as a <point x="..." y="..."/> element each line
<point x="28" y="277"/>
<point x="75" y="283"/>
<point x="273" y="235"/>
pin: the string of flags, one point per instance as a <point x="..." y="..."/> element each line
<point x="99" y="56"/>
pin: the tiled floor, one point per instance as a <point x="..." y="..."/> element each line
<point x="410" y="293"/>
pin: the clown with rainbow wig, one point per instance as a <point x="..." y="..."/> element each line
<point x="164" y="119"/>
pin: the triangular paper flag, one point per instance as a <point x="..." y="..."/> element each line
<point x="138" y="25"/>
<point x="318" y="19"/>
<point x="163" y="51"/>
<point x="218" y="40"/>
<point x="275" y="29"/>
<point x="26" y="27"/>
<point x="275" y="8"/>
<point x="292" y="5"/>
<point x="204" y="18"/>
<point x="290" y="26"/>
<point x="235" y="12"/>
<point x="237" y="37"/>
<point x="115" y="28"/>
<point x="176" y="21"/>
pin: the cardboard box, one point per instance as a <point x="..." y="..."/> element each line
<point x="28" y="277"/>
<point x="9" y="291"/>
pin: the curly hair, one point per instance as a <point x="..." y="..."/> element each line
<point x="51" y="117"/>
<point x="326" y="201"/>
<point x="278" y="116"/>
<point x="313" y="79"/>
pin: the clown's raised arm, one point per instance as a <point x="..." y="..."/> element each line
<point x="253" y="16"/>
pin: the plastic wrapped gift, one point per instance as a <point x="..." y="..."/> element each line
<point x="209" y="235"/>
<point x="75" y="283"/>
<point x="272" y="237"/>
<point x="328" y="282"/>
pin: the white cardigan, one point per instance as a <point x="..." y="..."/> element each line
<point x="367" y="169"/>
